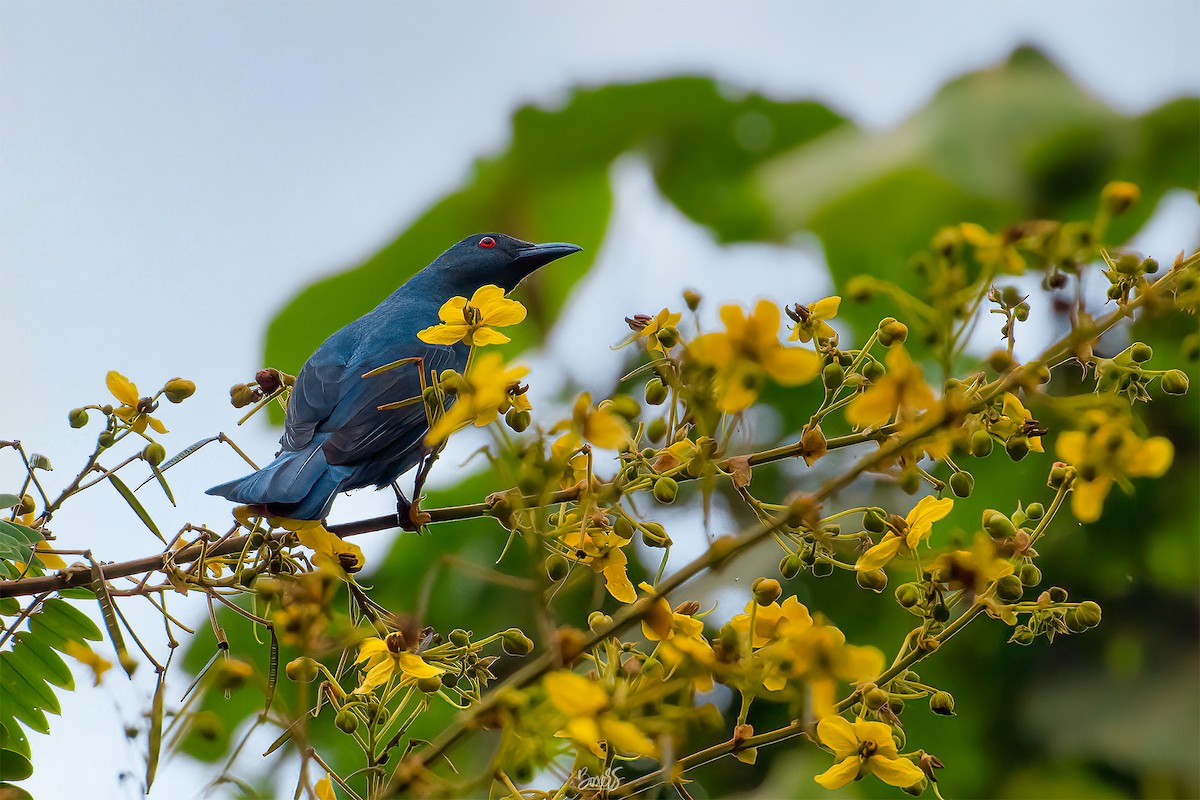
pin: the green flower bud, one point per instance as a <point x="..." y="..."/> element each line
<point x="833" y="375"/>
<point x="873" y="371"/>
<point x="1088" y="613"/>
<point x="1000" y="361"/>
<point x="301" y="670"/>
<point x="518" y="419"/>
<point x="962" y="484"/>
<point x="1017" y="447"/>
<point x="874" y="580"/>
<point x="940" y="612"/>
<point x="1009" y="588"/>
<point x="766" y="591"/>
<point x="728" y="637"/>
<point x="430" y="685"/>
<point x="692" y="298"/>
<point x="346" y="721"/>
<point x="1058" y="594"/>
<point x="875" y="698"/>
<point x="1114" y="292"/>
<point x="1021" y="312"/>
<point x="656" y="430"/>
<point x="246" y="576"/>
<point x="668" y="337"/>
<point x="892" y="333"/>
<point x="1022" y="635"/>
<point x="1071" y="618"/>
<point x="241" y="395"/>
<point x="626" y="406"/>
<point x="1175" y="381"/>
<point x="459" y="637"/>
<point x="106" y="439"/>
<point x="942" y="703"/>
<point x="997" y="525"/>
<point x="918" y="788"/>
<point x="78" y="417"/>
<point x="623" y="528"/>
<point x="514" y="642"/>
<point x="789" y="566"/>
<point x="655" y="535"/>
<point x="1035" y="511"/>
<point x="1057" y="475"/>
<point x="1149" y="266"/>
<point x="665" y="489"/>
<point x="909" y="594"/>
<point x="1140" y="352"/>
<point x="873" y="520"/>
<point x="177" y="390"/>
<point x="154" y="454"/>
<point x="556" y="567"/>
<point x="910" y="481"/>
<point x="981" y="444"/>
<point x="656" y="391"/>
<point x="1030" y="575"/>
<point x="822" y="568"/>
<point x="599" y="621"/>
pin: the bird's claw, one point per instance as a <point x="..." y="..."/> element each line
<point x="409" y="516"/>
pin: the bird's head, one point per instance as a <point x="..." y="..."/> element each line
<point x="496" y="259"/>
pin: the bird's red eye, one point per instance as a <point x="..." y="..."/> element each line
<point x="487" y="241"/>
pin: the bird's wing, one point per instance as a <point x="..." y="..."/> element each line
<point x="318" y="389"/>
<point x="360" y="431"/>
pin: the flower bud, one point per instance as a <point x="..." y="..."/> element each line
<point x="997" y="525"/>
<point x="962" y="484"/>
<point x="1149" y="266"/>
<point x="1175" y="381"/>
<point x="518" y="419"/>
<point x="909" y="594"/>
<point x="822" y="568"/>
<point x="1140" y="352"/>
<point x="556" y="567"/>
<point x="514" y="642"/>
<point x="105" y="440"/>
<point x="1057" y="594"/>
<point x="1030" y="575"/>
<point x="178" y="389"/>
<point x="241" y="395"/>
<point x="873" y="371"/>
<point x="1117" y="196"/>
<point x="655" y="535"/>
<point x="1058" y="474"/>
<point x="1035" y="511"/>
<point x="873" y="520"/>
<point x="460" y="637"/>
<point x="942" y="703"/>
<point x="874" y="580"/>
<point x="625" y="406"/>
<point x="918" y="788"/>
<point x="1088" y="613"/>
<point x="789" y="566"/>
<point x="301" y="670"/>
<point x="656" y="391"/>
<point x="1021" y="312"/>
<point x="346" y="721"/>
<point x="692" y="298"/>
<point x="766" y="591"/>
<point x="430" y="685"/>
<point x="1009" y="588"/>
<point x="981" y="444"/>
<point x="665" y="489"/>
<point x="668" y="337"/>
<point x="78" y="417"/>
<point x="154" y="454"/>
<point x="656" y="430"/>
<point x="875" y="698"/>
<point x="833" y="375"/>
<point x="892" y="331"/>
<point x="940" y="612"/>
<point x="1022" y="635"/>
<point x="1017" y="447"/>
<point x="599" y="621"/>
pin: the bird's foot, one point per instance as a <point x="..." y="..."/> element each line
<point x="409" y="516"/>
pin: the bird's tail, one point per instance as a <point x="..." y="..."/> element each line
<point x="299" y="484"/>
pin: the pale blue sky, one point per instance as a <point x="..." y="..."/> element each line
<point x="170" y="173"/>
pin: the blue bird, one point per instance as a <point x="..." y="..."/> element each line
<point x="335" y="438"/>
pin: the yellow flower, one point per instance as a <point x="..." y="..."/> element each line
<point x="748" y="348"/>
<point x="386" y="659"/>
<point x="993" y="249"/>
<point x="682" y="638"/>
<point x="902" y="390"/>
<point x="971" y="569"/>
<point x="810" y="320"/>
<point x="134" y="410"/>
<point x="773" y="621"/>
<point x="916" y="527"/>
<point x="601" y="549"/>
<point x="590" y="722"/>
<point x="818" y="656"/>
<point x="86" y="655"/>
<point x="333" y="553"/>
<point x="862" y="748"/>
<point x="1016" y="419"/>
<point x="1108" y="452"/>
<point x="482" y="394"/>
<point x="651" y="330"/>
<point x="324" y="789"/>
<point x="472" y="321"/>
<point x="602" y="427"/>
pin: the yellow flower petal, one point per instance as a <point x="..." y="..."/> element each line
<point x="625" y="737"/>
<point x="452" y="310"/>
<point x="895" y="771"/>
<point x="378" y="675"/>
<point x="837" y="733"/>
<point x="573" y="694"/>
<point x="616" y="580"/>
<point x="790" y="366"/>
<point x="442" y="334"/>
<point x="873" y="407"/>
<point x="880" y="554"/>
<point x="485" y="336"/>
<point x="412" y="664"/>
<point x="825" y="308"/>
<point x="324" y="789"/>
<point x="1151" y="459"/>
<point x="122" y="388"/>
<point x="1072" y="447"/>
<point x="504" y="312"/>
<point x="1087" y="498"/>
<point x="840" y="773"/>
<point x="157" y="425"/>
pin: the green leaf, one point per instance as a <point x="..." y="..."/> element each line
<point x="12" y="737"/>
<point x="156" y="721"/>
<point x="69" y="621"/>
<point x="52" y="668"/>
<point x="162" y="481"/>
<point x="9" y="500"/>
<point x="136" y="505"/>
<point x="13" y="767"/>
<point x="17" y="541"/>
<point x="18" y="700"/>
<point x="21" y="667"/>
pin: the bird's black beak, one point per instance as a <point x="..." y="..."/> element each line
<point x="538" y="255"/>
